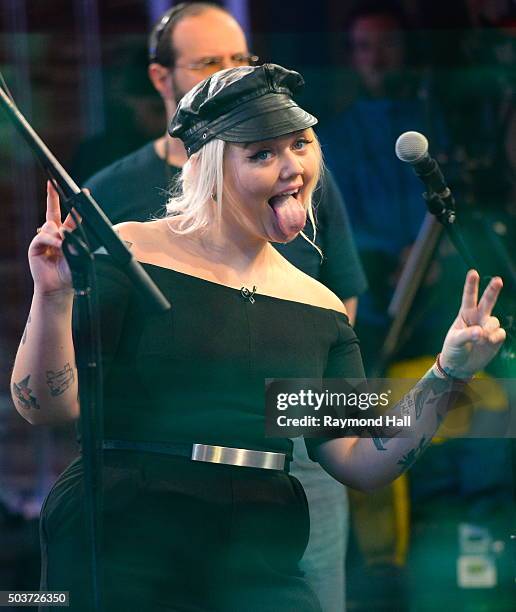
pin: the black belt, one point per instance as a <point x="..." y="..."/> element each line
<point x="242" y="457"/>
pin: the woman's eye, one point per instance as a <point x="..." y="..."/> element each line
<point x="301" y="143"/>
<point x="261" y="155"/>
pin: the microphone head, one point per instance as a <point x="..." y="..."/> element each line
<point x="411" y="147"/>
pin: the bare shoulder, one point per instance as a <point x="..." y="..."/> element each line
<point x="154" y="243"/>
<point x="315" y="293"/>
<point x="141" y="238"/>
<point x="325" y="297"/>
<point x="132" y="230"/>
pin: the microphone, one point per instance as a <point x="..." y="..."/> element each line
<point x="412" y="148"/>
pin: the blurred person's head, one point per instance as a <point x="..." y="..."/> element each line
<point x="377" y="46"/>
<point x="189" y="43"/>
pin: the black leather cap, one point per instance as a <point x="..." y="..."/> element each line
<point x="245" y="104"/>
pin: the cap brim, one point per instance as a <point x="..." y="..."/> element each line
<point x="265" y="123"/>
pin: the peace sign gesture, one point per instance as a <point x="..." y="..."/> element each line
<point x="475" y="336"/>
<point x="48" y="266"/>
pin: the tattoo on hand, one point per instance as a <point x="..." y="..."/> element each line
<point x="23" y="394"/>
<point x="59" y="381"/>
<point x="24" y="337"/>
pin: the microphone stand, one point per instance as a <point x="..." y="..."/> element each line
<point x="443" y="208"/>
<point x="87" y="341"/>
<point x="412" y="275"/>
<point x="441" y="215"/>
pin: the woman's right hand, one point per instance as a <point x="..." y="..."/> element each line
<point x="48" y="265"/>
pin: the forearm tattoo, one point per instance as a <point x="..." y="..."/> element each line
<point x="59" y="381"/>
<point x="22" y="393"/>
<point x="430" y="392"/>
<point x="380" y="443"/>
<point x="413" y="455"/>
<point x="24" y="337"/>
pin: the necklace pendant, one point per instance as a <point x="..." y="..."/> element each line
<point x="248" y="294"/>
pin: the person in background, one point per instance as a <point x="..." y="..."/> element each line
<point x="382" y="195"/>
<point x="190" y="42"/>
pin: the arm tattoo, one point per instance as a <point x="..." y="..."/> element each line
<point x="429" y="392"/>
<point x="23" y="394"/>
<point x="24" y="337"/>
<point x="380" y="443"/>
<point x="413" y="455"/>
<point x="59" y="381"/>
<point x="405" y="405"/>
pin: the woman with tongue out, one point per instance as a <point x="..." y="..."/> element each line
<point x="199" y="509"/>
<point x="260" y="162"/>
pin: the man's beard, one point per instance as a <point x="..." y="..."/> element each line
<point x="178" y="92"/>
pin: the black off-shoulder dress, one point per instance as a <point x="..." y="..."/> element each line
<point x="183" y="535"/>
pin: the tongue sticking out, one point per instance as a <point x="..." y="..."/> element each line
<point x="290" y="215"/>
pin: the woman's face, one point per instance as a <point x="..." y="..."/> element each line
<point x="266" y="185"/>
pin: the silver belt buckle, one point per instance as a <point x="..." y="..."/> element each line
<point x="244" y="457"/>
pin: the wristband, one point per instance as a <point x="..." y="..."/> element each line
<point x="444" y="373"/>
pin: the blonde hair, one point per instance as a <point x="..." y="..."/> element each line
<point x="201" y="182"/>
<point x="194" y="189"/>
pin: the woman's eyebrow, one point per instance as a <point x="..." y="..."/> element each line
<point x="265" y="143"/>
<point x="258" y="143"/>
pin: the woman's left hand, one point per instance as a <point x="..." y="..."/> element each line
<point x="475" y="336"/>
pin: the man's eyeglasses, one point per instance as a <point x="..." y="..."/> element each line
<point x="206" y="65"/>
<point x="209" y="65"/>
